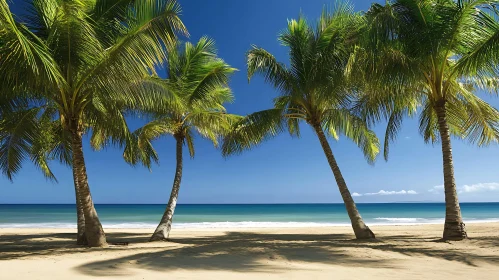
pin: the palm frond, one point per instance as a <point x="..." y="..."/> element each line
<point x="189" y="139"/>
<point x="479" y="121"/>
<point x="252" y="130"/>
<point x="481" y="43"/>
<point x="216" y="74"/>
<point x="50" y="146"/>
<point x="428" y="124"/>
<point x="262" y="62"/>
<point x="137" y="51"/>
<point x="354" y="128"/>
<point x="25" y="60"/>
<point x="392" y="128"/>
<point x="140" y="149"/>
<point x="18" y="132"/>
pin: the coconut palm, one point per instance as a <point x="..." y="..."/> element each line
<point x="430" y="58"/>
<point x="313" y="89"/>
<point x="80" y="63"/>
<point x="199" y="80"/>
<point x="47" y="142"/>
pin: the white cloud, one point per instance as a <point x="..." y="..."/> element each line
<point x="407" y="138"/>
<point x="480" y="187"/>
<point x="436" y="189"/>
<point x="383" y="192"/>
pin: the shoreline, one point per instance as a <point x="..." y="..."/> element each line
<point x="399" y="252"/>
<point x="343" y="228"/>
<point x="232" y="225"/>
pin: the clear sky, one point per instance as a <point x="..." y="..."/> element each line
<point x="282" y="170"/>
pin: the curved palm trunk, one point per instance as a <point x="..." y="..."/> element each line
<point x="360" y="229"/>
<point x="454" y="228"/>
<point x="93" y="228"/>
<point x="163" y="230"/>
<point x="81" y="238"/>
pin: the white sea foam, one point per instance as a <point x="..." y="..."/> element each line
<point x="250" y="224"/>
<point x="400" y="219"/>
<point x="38" y="225"/>
<point x="247" y="224"/>
<point x="407" y="221"/>
<point x="423" y="221"/>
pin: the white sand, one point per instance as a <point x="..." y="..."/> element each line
<point x="401" y="252"/>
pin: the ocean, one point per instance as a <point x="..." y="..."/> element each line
<point x="241" y="215"/>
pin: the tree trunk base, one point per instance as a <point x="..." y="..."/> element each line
<point x="455" y="231"/>
<point x="158" y="236"/>
<point x="158" y="239"/>
<point x="97" y="239"/>
<point x="82" y="239"/>
<point x="365" y="233"/>
<point x="97" y="244"/>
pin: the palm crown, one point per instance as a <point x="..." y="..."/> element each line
<point x="78" y="61"/>
<point x="198" y="82"/>
<point x="429" y="55"/>
<point x="313" y="88"/>
<point x="76" y="65"/>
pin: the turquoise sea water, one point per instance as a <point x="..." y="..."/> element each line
<point x="242" y="215"/>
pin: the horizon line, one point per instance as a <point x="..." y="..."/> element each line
<point x="285" y="203"/>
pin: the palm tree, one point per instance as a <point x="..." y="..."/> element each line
<point x="313" y="89"/>
<point x="80" y="63"/>
<point x="48" y="142"/>
<point x="433" y="55"/>
<point x="199" y="80"/>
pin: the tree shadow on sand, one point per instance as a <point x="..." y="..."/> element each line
<point x="14" y="246"/>
<point x="237" y="251"/>
<point x="248" y="251"/>
<point x="256" y="252"/>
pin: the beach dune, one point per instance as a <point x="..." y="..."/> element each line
<point x="401" y="252"/>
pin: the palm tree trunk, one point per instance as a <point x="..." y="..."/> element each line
<point x="163" y="230"/>
<point x="93" y="228"/>
<point x="454" y="228"/>
<point x="360" y="229"/>
<point x="81" y="238"/>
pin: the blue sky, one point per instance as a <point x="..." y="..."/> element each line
<point x="283" y="170"/>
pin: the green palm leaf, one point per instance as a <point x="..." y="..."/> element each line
<point x="18" y="131"/>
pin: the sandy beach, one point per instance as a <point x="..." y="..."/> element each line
<point x="401" y="252"/>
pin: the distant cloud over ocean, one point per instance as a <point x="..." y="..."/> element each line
<point x="475" y="188"/>
<point x="383" y="192"/>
